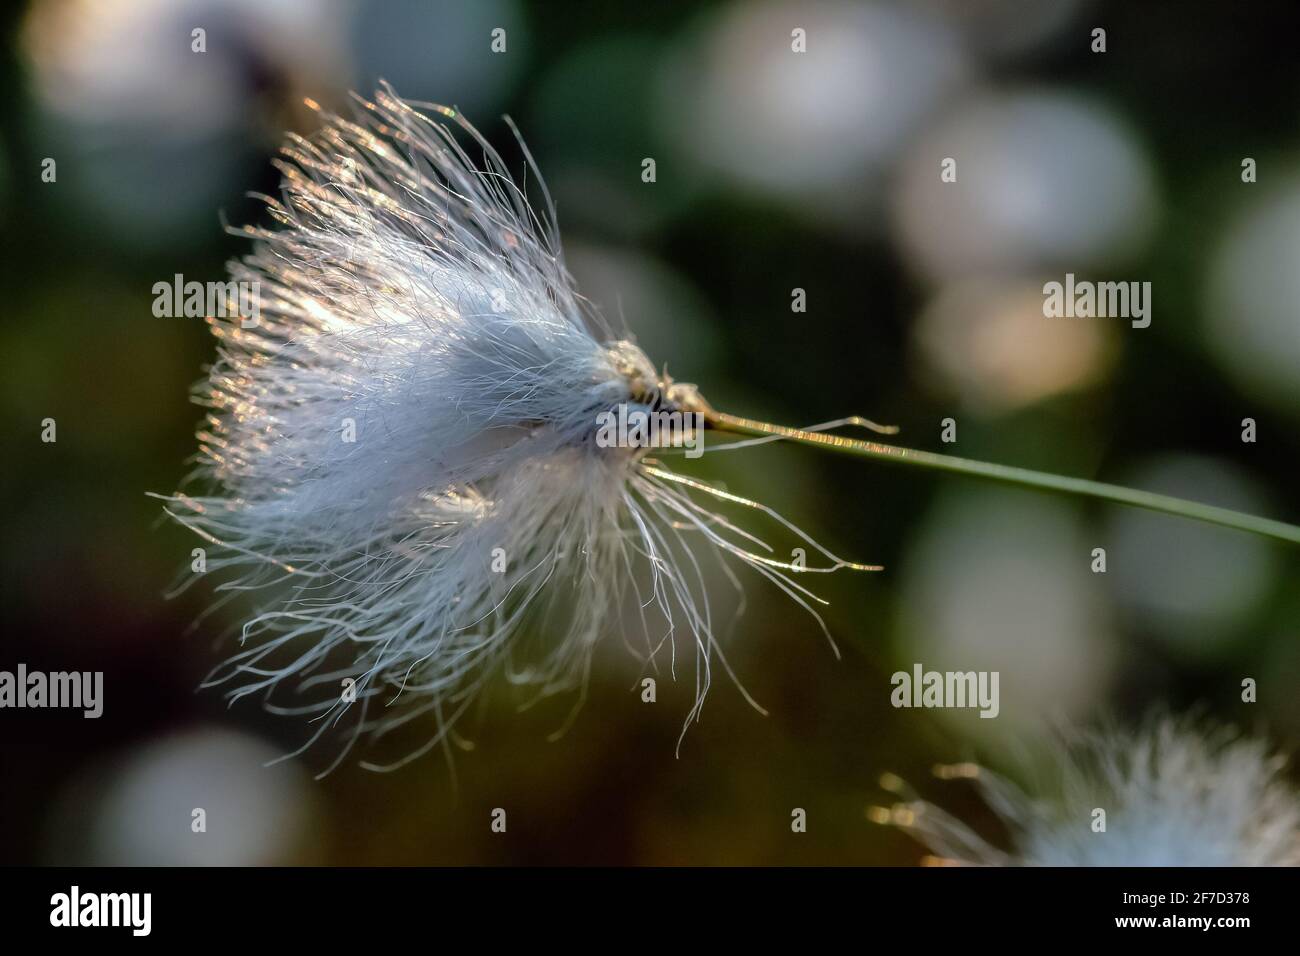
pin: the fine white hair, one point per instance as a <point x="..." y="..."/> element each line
<point x="1176" y="792"/>
<point x="419" y="303"/>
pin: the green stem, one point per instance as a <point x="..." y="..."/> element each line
<point x="1010" y="475"/>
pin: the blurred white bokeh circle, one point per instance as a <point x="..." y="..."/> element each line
<point x="1253" y="302"/>
<point x="815" y="125"/>
<point x="1044" y="180"/>
<point x="1000" y="581"/>
<point x="139" y="809"/>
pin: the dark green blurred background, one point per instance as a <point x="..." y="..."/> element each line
<point x="775" y="171"/>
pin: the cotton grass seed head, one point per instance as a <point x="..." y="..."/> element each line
<point x="1174" y="793"/>
<point x="400" y="458"/>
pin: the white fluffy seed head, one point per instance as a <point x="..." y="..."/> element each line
<point x="400" y="457"/>
<point x="1174" y="794"/>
